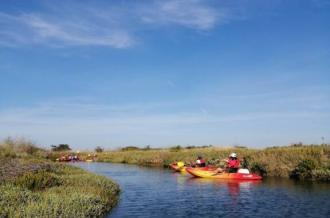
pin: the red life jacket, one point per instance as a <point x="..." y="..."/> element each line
<point x="200" y="163"/>
<point x="233" y="163"/>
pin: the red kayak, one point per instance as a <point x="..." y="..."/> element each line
<point x="206" y="172"/>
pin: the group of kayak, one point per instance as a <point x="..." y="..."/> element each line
<point x="76" y="158"/>
<point x="232" y="169"/>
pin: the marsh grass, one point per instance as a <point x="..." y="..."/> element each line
<point x="31" y="186"/>
<point x="275" y="161"/>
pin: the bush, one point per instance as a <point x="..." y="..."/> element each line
<point x="18" y="147"/>
<point x="259" y="169"/>
<point x="61" y="147"/>
<point x="62" y="191"/>
<point x="29" y="148"/>
<point x="321" y="175"/>
<point x="299" y="144"/>
<point x="176" y="148"/>
<point x="38" y="181"/>
<point x="245" y="162"/>
<point x="304" y="170"/>
<point x="130" y="148"/>
<point x="146" y="148"/>
<point x="240" y="147"/>
<point x="98" y="149"/>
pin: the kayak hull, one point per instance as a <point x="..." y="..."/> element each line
<point x="211" y="173"/>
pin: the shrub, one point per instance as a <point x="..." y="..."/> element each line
<point x="98" y="149"/>
<point x="176" y="148"/>
<point x="66" y="192"/>
<point x="299" y="144"/>
<point x="7" y="152"/>
<point x="245" y="162"/>
<point x="18" y="147"/>
<point x="304" y="170"/>
<point x="259" y="168"/>
<point x="28" y="148"/>
<point x="321" y="175"/>
<point x="240" y="147"/>
<point x="61" y="147"/>
<point x="130" y="148"/>
<point x="147" y="148"/>
<point x="38" y="181"/>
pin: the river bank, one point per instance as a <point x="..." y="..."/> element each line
<point x="310" y="162"/>
<point x="32" y="186"/>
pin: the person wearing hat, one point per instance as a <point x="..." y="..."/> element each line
<point x="233" y="163"/>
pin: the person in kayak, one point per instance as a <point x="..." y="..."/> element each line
<point x="200" y="162"/>
<point x="233" y="163"/>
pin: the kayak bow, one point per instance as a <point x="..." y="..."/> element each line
<point x="175" y="167"/>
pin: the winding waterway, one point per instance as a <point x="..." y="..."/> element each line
<point x="153" y="192"/>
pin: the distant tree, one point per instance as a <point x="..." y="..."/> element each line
<point x="99" y="149"/>
<point x="147" y="148"/>
<point x="176" y="148"/>
<point x="61" y="147"/>
<point x="130" y="148"/>
<point x="299" y="144"/>
<point x="239" y="146"/>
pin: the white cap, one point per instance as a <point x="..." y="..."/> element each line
<point x="233" y="155"/>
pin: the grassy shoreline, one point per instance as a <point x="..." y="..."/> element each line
<point x="32" y="186"/>
<point x="275" y="161"/>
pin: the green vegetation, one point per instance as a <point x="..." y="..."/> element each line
<point x="309" y="170"/>
<point x="98" y="149"/>
<point x="274" y="161"/>
<point x="31" y="186"/>
<point x="61" y="147"/>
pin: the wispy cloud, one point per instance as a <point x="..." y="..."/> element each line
<point x="33" y="28"/>
<point x="73" y="23"/>
<point x="190" y="13"/>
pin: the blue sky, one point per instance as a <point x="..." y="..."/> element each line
<point x="161" y="73"/>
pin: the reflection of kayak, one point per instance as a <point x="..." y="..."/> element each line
<point x="175" y="167"/>
<point x="210" y="173"/>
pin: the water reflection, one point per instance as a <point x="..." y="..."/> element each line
<point x="231" y="188"/>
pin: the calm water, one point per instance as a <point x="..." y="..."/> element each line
<point x="150" y="192"/>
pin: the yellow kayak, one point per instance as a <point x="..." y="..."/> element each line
<point x="178" y="167"/>
<point x="211" y="173"/>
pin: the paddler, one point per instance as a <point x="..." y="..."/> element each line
<point x="200" y="162"/>
<point x="232" y="164"/>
